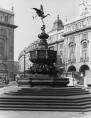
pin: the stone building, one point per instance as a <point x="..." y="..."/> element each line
<point x="77" y="35"/>
<point x="7" y="43"/>
<point x="16" y="68"/>
<point x="77" y="44"/>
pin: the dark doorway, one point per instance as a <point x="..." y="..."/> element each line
<point x="83" y="68"/>
<point x="71" y="69"/>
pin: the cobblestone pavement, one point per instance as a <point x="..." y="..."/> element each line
<point x="37" y="114"/>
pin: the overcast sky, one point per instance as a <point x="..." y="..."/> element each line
<point x="28" y="29"/>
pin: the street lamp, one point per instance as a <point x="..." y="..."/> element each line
<point x="24" y="63"/>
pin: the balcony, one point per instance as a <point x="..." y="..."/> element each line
<point x="86" y="59"/>
<point x="71" y="60"/>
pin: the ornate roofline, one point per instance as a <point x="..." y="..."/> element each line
<point x="6" y="11"/>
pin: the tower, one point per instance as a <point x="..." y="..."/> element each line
<point x="6" y="43"/>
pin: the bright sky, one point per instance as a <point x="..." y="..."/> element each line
<point x="28" y="29"/>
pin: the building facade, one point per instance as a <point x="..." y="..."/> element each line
<point x="77" y="41"/>
<point x="77" y="44"/>
<point x="7" y="43"/>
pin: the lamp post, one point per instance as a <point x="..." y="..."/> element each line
<point x="24" y="63"/>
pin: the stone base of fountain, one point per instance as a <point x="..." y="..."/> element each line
<point x="43" y="80"/>
<point x="48" y="80"/>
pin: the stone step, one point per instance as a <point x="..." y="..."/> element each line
<point x="50" y="92"/>
<point x="48" y="109"/>
<point x="80" y="101"/>
<point x="58" y="103"/>
<point x="44" y="100"/>
<point x="62" y="94"/>
<point x="28" y="89"/>
<point x="44" y="107"/>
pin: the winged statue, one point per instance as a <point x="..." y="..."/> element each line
<point x="40" y="13"/>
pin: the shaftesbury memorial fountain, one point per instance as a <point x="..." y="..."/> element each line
<point x="46" y="95"/>
<point x="43" y="69"/>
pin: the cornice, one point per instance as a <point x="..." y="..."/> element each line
<point x="76" y="31"/>
<point x="8" y="25"/>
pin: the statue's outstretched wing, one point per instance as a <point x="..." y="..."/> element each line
<point x="38" y="11"/>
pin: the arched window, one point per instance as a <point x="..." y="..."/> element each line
<point x="72" y="49"/>
<point x="84" y="45"/>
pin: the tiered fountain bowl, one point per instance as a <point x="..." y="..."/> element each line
<point x="43" y="71"/>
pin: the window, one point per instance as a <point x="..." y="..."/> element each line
<point x="1" y="48"/>
<point x="72" y="52"/>
<point x="69" y="28"/>
<point x="1" y="18"/>
<point x="85" y="23"/>
<point x="81" y="24"/>
<point x="84" y="45"/>
<point x="71" y="39"/>
<point x="84" y="50"/>
<point x="73" y="27"/>
<point x="72" y="48"/>
<point x="2" y="32"/>
<point x="84" y="36"/>
<point x="6" y="19"/>
<point x="89" y="21"/>
<point x="78" y="25"/>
